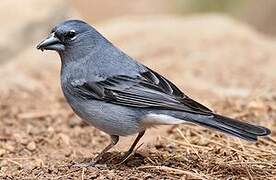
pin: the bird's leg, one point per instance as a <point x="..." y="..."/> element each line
<point x="128" y="153"/>
<point x="114" y="141"/>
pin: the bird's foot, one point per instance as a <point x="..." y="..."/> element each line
<point x="125" y="158"/>
<point x="128" y="154"/>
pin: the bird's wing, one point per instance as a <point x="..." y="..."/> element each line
<point x="148" y="90"/>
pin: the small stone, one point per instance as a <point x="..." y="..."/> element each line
<point x="67" y="152"/>
<point x="9" y="147"/>
<point x="51" y="130"/>
<point x="73" y="122"/>
<point x="31" y="146"/>
<point x="65" y="139"/>
<point x="22" y="140"/>
<point x="39" y="163"/>
<point x="3" y="163"/>
<point x="2" y="152"/>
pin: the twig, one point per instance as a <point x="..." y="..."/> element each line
<point x="35" y="114"/>
<point x="229" y="147"/>
<point x="14" y="162"/>
<point x="182" y="135"/>
<point x="150" y="160"/>
<point x="250" y="162"/>
<point x="82" y="173"/>
<point x="177" y="171"/>
<point x="273" y="143"/>
<point x="186" y="144"/>
<point x="17" y="158"/>
<point x="248" y="172"/>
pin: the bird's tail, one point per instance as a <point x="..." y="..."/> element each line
<point x="232" y="126"/>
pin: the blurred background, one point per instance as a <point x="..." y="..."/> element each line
<point x="23" y="22"/>
<point x="259" y="14"/>
<point x="176" y="33"/>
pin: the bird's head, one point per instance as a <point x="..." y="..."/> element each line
<point x="69" y="36"/>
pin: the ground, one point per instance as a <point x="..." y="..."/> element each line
<point x="45" y="143"/>
<point x="229" y="68"/>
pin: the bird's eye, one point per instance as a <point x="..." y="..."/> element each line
<point x="71" y="34"/>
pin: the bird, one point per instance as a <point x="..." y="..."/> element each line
<point x="120" y="96"/>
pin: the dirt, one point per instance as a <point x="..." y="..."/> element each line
<point x="41" y="138"/>
<point x="40" y="141"/>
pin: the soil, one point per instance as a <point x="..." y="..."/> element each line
<point x="42" y="139"/>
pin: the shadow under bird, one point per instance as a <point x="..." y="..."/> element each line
<point x="118" y="95"/>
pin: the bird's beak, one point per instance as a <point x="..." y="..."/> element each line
<point x="51" y="43"/>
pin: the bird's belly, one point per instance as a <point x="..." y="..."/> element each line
<point x="110" y="118"/>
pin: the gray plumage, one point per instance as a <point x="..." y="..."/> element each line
<point x="120" y="96"/>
